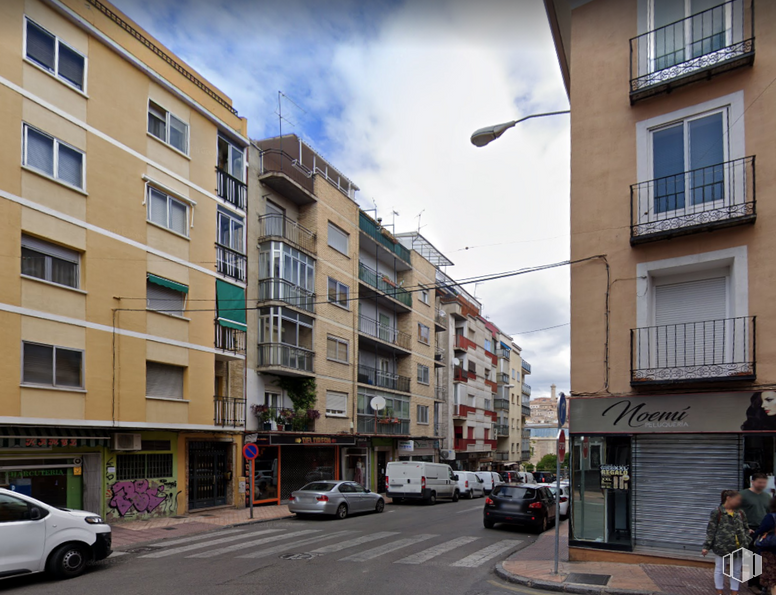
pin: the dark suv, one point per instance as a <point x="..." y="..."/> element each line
<point x="527" y="505"/>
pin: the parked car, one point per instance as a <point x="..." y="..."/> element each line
<point x="469" y="485"/>
<point x="527" y="505"/>
<point x="518" y="477"/>
<point x="489" y="480"/>
<point x="544" y="476"/>
<point x="36" y="537"/>
<point x="334" y="498"/>
<point x="320" y="474"/>
<point x="417" y="480"/>
<point x="563" y="502"/>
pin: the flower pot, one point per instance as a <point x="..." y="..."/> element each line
<point x="267" y="426"/>
<point x="288" y="427"/>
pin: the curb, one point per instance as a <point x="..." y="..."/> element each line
<point x="554" y="587"/>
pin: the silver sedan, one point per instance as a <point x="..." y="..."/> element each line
<point x="336" y="498"/>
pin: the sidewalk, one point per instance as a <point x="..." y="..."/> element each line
<point x="130" y="533"/>
<point x="533" y="566"/>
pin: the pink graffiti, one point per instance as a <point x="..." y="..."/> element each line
<point x="138" y="494"/>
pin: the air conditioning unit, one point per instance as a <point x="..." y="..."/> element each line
<point x="127" y="442"/>
<point x="447" y="455"/>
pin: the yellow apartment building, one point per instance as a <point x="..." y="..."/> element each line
<point x="672" y="367"/>
<point x="122" y="300"/>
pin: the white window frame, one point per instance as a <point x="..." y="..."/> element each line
<point x="339" y="341"/>
<point x="232" y="147"/>
<point x="424" y="418"/>
<point x="338" y="229"/>
<point x="334" y="412"/>
<point x="424" y="374"/>
<point x="54" y="367"/>
<point x="55" y="175"/>
<point x="424" y="295"/>
<point x="420" y="334"/>
<point x="55" y="73"/>
<point x="168" y="115"/>
<point x="39" y="245"/>
<point x="233" y="218"/>
<point x="339" y="285"/>
<point x="170" y="198"/>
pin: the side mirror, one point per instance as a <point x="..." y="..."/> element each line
<point x="455" y="477"/>
<point x="35" y="514"/>
<point x="367" y="490"/>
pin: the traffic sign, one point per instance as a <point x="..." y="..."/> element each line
<point x="585" y="446"/>
<point x="562" y="410"/>
<point x="561" y="445"/>
<point x="250" y="451"/>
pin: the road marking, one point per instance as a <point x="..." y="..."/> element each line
<point x="196" y="546"/>
<point x="289" y="546"/>
<point x="197" y="538"/>
<point x="482" y="556"/>
<point x="437" y="550"/>
<point x="343" y="545"/>
<point x="469" y="510"/>
<point x="245" y="544"/>
<point x="387" y="548"/>
<point x="117" y="554"/>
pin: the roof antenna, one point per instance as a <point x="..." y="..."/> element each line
<point x="418" y="218"/>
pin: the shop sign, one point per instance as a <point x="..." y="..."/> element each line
<point x="405" y="445"/>
<point x="688" y="414"/>
<point x="37" y="473"/>
<point x="615" y="477"/>
<point x="49" y="442"/>
<point x="426" y="444"/>
<point x="283" y="439"/>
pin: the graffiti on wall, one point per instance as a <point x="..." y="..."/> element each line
<point x="157" y="497"/>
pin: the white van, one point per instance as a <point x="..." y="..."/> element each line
<point x="416" y="480"/>
<point x="36" y="537"/>
<point x="490" y="479"/>
<point x="470" y="485"/>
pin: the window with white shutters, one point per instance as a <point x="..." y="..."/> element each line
<point x="338" y="239"/>
<point x="337" y="349"/>
<point x="52" y="54"/>
<point x="50" y="365"/>
<point x="164" y="380"/>
<point x="168" y="212"/>
<point x="49" y="262"/>
<point x="52" y="157"/>
<point x="336" y="404"/>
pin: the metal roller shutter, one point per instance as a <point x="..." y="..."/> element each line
<point x="677" y="482"/>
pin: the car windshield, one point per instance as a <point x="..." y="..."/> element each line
<point x="319" y="486"/>
<point x="515" y="493"/>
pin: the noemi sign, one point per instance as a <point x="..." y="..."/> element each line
<point x="250" y="451"/>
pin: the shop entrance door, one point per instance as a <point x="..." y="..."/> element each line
<point x="208" y="474"/>
<point x="382" y="462"/>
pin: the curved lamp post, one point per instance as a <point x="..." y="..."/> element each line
<point x="483" y="136"/>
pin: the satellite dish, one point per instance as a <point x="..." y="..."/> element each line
<point x="456" y="361"/>
<point x="377" y="403"/>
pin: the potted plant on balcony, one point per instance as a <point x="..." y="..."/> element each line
<point x="265" y="416"/>
<point x="285" y="419"/>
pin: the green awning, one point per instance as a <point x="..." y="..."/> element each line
<point x="167" y="283"/>
<point x="230" y="300"/>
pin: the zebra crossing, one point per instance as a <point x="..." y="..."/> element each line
<point x="344" y="547"/>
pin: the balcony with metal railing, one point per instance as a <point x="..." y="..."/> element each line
<point x="502" y="430"/>
<point x="285" y="359"/>
<point x="526" y="367"/>
<point x="384" y="333"/>
<point x="439" y="357"/>
<point x="503" y="353"/>
<point x="691" y="49"/>
<point x="502" y="378"/>
<point x="525" y="389"/>
<point x="460" y="374"/>
<point x="702" y="199"/>
<point x="501" y="404"/>
<point x="280" y="290"/>
<point x="232" y="190"/>
<point x="284" y="173"/>
<point x="369" y="424"/>
<point x="462" y="343"/>
<point x="229" y="339"/>
<point x="712" y="350"/>
<point x="382" y="379"/>
<point x="440" y="320"/>
<point x="231" y="263"/>
<point x="229" y="412"/>
<point x="381" y="236"/>
<point x="385" y="286"/>
<point x="279" y="226"/>
<point x="525" y="410"/>
<point x="501" y="455"/>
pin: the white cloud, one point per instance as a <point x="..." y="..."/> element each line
<point x="392" y="92"/>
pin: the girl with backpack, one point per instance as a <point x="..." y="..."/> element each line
<point x="726" y="532"/>
<point x="765" y="543"/>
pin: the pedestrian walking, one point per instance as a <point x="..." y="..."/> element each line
<point x="765" y="542"/>
<point x="726" y="532"/>
<point x="756" y="502"/>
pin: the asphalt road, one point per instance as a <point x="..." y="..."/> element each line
<point x="410" y="548"/>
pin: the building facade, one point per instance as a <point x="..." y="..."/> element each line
<point x="122" y="301"/>
<point x="670" y="293"/>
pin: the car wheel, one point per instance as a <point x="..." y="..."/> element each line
<point x="342" y="511"/>
<point x="431" y="499"/>
<point x="542" y="527"/>
<point x="68" y="561"/>
<point x="456" y="495"/>
<point x="380" y="506"/>
<point x="470" y="495"/>
<point x="488" y="524"/>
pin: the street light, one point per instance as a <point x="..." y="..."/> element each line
<point x="483" y="136"/>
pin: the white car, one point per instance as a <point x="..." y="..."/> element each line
<point x="563" y="501"/>
<point x="418" y="480"/>
<point x="490" y="479"/>
<point x="36" y="537"/>
<point x="470" y="485"/>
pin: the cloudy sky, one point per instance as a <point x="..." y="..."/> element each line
<point x="389" y="92"/>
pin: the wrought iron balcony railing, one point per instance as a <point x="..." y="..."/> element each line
<point x="285" y="291"/>
<point x="229" y="412"/>
<point x="390" y="380"/>
<point x="231" y="189"/>
<point x="710" y="197"/>
<point x="711" y="350"/>
<point x="383" y="284"/>
<point x="694" y="48"/>
<point x="368" y="424"/>
<point x="383" y="332"/>
<point x="371" y="229"/>
<point x="230" y="262"/>
<point x="280" y="226"/>
<point x="285" y="356"/>
<point x="229" y="339"/>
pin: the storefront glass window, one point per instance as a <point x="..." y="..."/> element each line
<point x="758" y="458"/>
<point x="356" y="465"/>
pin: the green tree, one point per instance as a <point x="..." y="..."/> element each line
<point x="529" y="467"/>
<point x="547" y="463"/>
